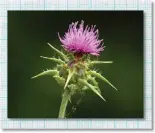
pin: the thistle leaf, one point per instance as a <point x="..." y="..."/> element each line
<point x="59" y="79"/>
<point x="48" y="72"/>
<point x="98" y="75"/>
<point x="54" y="59"/>
<point x="93" y="88"/>
<point x="59" y="52"/>
<point x="99" y="62"/>
<point x="92" y="79"/>
<point x="68" y="78"/>
<point x="94" y="82"/>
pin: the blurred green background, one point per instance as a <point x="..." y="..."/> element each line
<point x="28" y="34"/>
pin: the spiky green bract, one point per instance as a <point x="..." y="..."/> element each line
<point x="100" y="62"/>
<point x="59" y="79"/>
<point x="59" y="52"/>
<point x="93" y="88"/>
<point x="98" y="75"/>
<point x="54" y="59"/>
<point x="94" y="82"/>
<point x="71" y="72"/>
<point x="47" y="72"/>
<point x="75" y="75"/>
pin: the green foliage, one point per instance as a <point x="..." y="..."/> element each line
<point x="54" y="59"/>
<point x="75" y="75"/>
<point x="93" y="88"/>
<point x="47" y="72"/>
<point x="98" y="75"/>
<point x="99" y="62"/>
<point x="59" y="52"/>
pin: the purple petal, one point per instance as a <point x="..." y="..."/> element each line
<point x="80" y="40"/>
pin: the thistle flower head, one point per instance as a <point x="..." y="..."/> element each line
<point x="76" y="74"/>
<point x="80" y="40"/>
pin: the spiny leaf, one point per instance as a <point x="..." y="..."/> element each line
<point x="94" y="82"/>
<point x="48" y="72"/>
<point x="69" y="77"/>
<point x="99" y="62"/>
<point x="98" y="75"/>
<point x="92" y="79"/>
<point x="59" y="79"/>
<point x="93" y="88"/>
<point x="54" y="59"/>
<point x="59" y="52"/>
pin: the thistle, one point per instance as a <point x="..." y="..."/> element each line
<point x="74" y="69"/>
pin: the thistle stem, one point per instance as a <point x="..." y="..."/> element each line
<point x="64" y="102"/>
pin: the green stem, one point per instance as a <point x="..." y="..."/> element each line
<point x="64" y="102"/>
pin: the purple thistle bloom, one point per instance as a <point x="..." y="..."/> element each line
<point x="82" y="41"/>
